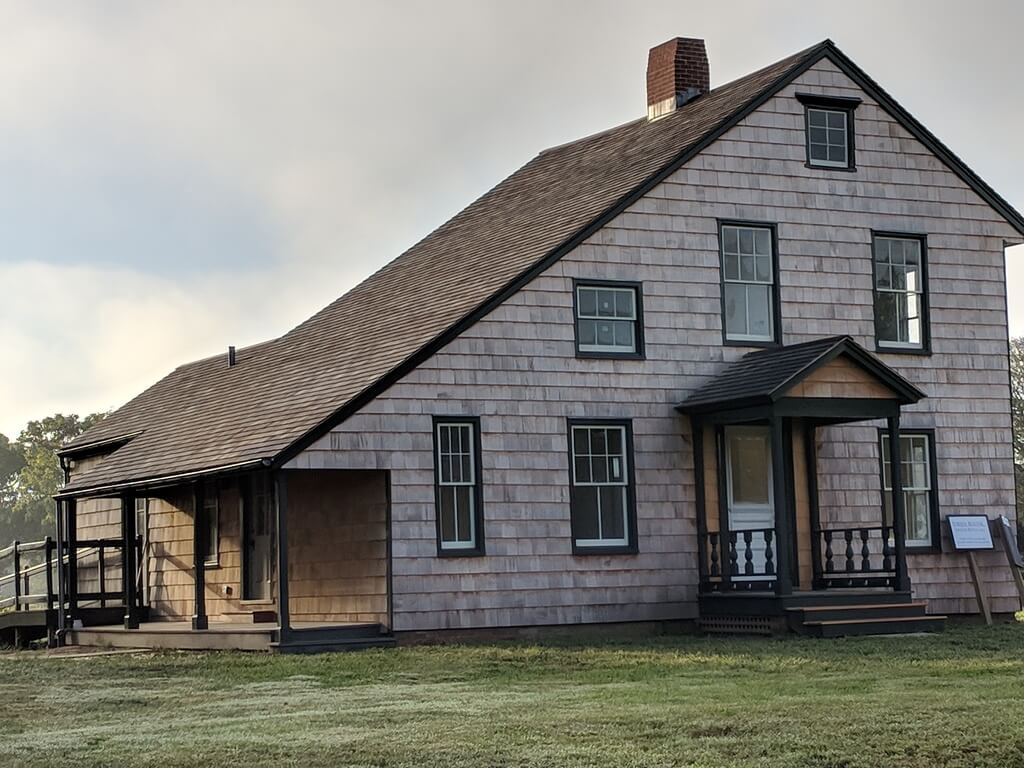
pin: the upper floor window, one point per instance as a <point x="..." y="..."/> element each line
<point x="900" y="292"/>
<point x="457" y="487"/>
<point x="608" y="319"/>
<point x="602" y="506"/>
<point x="749" y="286"/>
<point x="917" y="476"/>
<point x="829" y="128"/>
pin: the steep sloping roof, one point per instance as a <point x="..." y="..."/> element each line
<point x="766" y="375"/>
<point x="284" y="393"/>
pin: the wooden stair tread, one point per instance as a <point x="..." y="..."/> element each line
<point x="863" y="607"/>
<point x="875" y="620"/>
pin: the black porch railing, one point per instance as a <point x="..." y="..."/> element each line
<point x="100" y="565"/>
<point x="856" y="557"/>
<point x="16" y="587"/>
<point x="739" y="560"/>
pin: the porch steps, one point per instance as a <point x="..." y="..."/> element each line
<point x="864" y="619"/>
<point x="325" y="639"/>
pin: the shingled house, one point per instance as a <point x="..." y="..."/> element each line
<point x="732" y="361"/>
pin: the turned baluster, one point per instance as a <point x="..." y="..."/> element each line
<point x="848" y="535"/>
<point x="716" y="569"/>
<point x="734" y="568"/>
<point x="886" y="549"/>
<point x="829" y="554"/>
<point x="769" y="554"/>
<point x="748" y="554"/>
<point x="865" y="550"/>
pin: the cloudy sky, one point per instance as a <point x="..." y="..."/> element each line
<point x="177" y="177"/>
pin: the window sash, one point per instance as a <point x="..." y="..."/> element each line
<point x="908" y="301"/>
<point x="833" y="137"/>
<point x="613" y="473"/>
<point x="748" y="266"/>
<point x="623" y="316"/>
<point x="456" y="469"/>
<point x="916" y="479"/>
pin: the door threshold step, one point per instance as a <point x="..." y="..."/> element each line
<point x="864" y="607"/>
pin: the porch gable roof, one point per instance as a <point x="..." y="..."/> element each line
<point x="765" y="376"/>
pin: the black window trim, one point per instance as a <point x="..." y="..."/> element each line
<point x="776" y="340"/>
<point x="630" y="548"/>
<point x="835" y="104"/>
<point x="926" y="336"/>
<point x="933" y="494"/>
<point x="637" y="287"/>
<point x="478" y="493"/>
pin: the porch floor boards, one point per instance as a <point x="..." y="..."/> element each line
<point x="221" y="635"/>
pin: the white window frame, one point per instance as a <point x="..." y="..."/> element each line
<point x="726" y="280"/>
<point x="926" y="489"/>
<point x="623" y="484"/>
<point x="920" y="295"/>
<point x="828" y="144"/>
<point x="634" y="319"/>
<point x="458" y="543"/>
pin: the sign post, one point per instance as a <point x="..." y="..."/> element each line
<point x="970" y="534"/>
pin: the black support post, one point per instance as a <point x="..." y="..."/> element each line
<point x="281" y="508"/>
<point x="899" y="520"/>
<point x="724" y="534"/>
<point x="783" y="529"/>
<point x="199" y="618"/>
<point x="61" y="573"/>
<point x="71" y="518"/>
<point x="128" y="574"/>
<point x="811" y="466"/>
<point x="697" y="437"/>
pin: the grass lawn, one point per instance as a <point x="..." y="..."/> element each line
<point x="955" y="699"/>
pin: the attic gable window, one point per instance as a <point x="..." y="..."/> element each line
<point x="608" y="319"/>
<point x="828" y="123"/>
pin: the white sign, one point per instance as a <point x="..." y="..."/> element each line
<point x="970" y="532"/>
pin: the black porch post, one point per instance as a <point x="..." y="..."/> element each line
<point x="281" y="508"/>
<point x="697" y="437"/>
<point x="783" y="530"/>
<point x="899" y="520"/>
<point x="128" y="572"/>
<point x="199" y="619"/>
<point x="724" y="534"/>
<point x="811" y="466"/>
<point x="71" y="533"/>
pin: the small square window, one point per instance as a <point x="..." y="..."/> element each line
<point x="608" y="320"/>
<point x="829" y="130"/>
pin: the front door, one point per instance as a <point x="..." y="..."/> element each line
<point x="750" y="496"/>
<point x="258" y="540"/>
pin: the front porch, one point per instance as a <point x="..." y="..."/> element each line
<point x="206" y="558"/>
<point x="767" y="557"/>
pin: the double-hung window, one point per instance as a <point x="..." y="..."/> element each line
<point x="458" y="491"/>
<point x="608" y="319"/>
<point x="749" y="290"/>
<point x="602" y="501"/>
<point x="917" y="476"/>
<point x="901" y="298"/>
<point x="828" y="121"/>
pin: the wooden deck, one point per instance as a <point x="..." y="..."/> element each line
<point x="228" y="635"/>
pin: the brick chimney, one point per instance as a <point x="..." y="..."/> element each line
<point x="677" y="72"/>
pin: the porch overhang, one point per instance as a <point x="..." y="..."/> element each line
<point x="831" y="381"/>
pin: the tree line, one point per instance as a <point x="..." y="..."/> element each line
<point x="30" y="472"/>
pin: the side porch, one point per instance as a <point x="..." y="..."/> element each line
<point x="208" y="554"/>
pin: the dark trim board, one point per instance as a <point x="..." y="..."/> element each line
<point x="776" y="292"/>
<point x="638" y="293"/>
<point x="479" y="547"/>
<point x="630" y="548"/>
<point x="933" y="480"/>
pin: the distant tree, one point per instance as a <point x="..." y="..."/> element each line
<point x="1017" y="413"/>
<point x="34" y="475"/>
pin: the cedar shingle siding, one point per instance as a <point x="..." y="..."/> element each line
<point x="516" y="367"/>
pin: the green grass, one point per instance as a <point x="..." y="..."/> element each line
<point x="955" y="699"/>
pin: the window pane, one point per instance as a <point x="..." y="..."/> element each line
<point x="587" y="298"/>
<point x="748" y="462"/>
<point x="613" y="505"/>
<point x="447" y="496"/>
<point x="735" y="310"/>
<point x="584" y="512"/>
<point x="763" y="272"/>
<point x="836" y="120"/>
<point x="816" y="117"/>
<point x="837" y="154"/>
<point x="746" y="241"/>
<point x="463" y="513"/>
<point x="624" y="334"/>
<point x="732" y="266"/>
<point x="883" y="276"/>
<point x="624" y="304"/>
<point x="918" y="516"/>
<point x="759" y="309"/>
<point x="763" y="242"/>
<point x="886" y="317"/>
<point x="598" y="444"/>
<point x="746" y="267"/>
<point x="582" y="469"/>
<point x="819" y="152"/>
<point x="613" y="439"/>
<point x="731" y="241"/>
<point x="818" y="135"/>
<point x="606" y="303"/>
<point x="588" y="332"/>
<point x="605" y="334"/>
